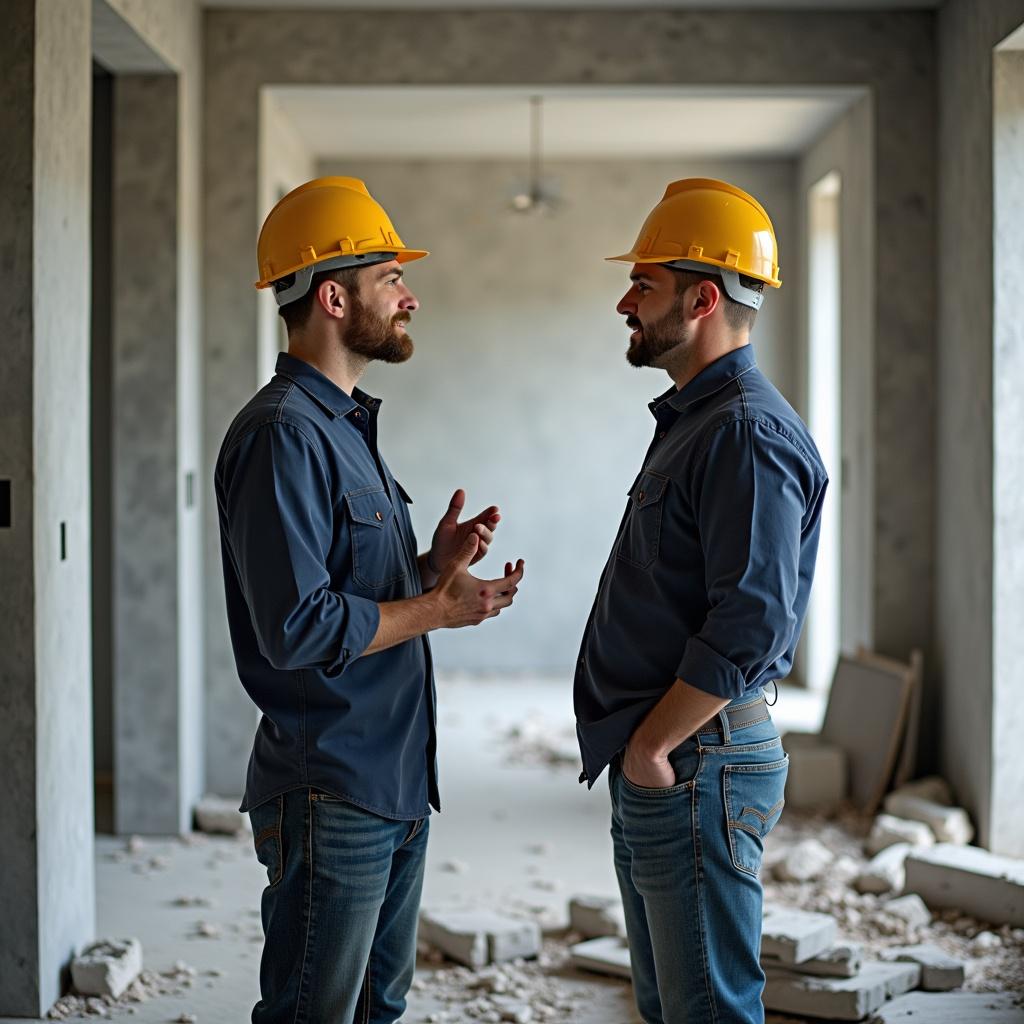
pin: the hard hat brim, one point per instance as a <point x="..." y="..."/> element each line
<point x="635" y="257"/>
<point x="401" y="255"/>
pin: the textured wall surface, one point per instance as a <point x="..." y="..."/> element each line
<point x="519" y="390"/>
<point x="147" y="784"/>
<point x="44" y="432"/>
<point x="974" y="669"/>
<point x="890" y="53"/>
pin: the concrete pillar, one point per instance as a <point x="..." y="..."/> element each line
<point x="150" y="775"/>
<point x="45" y="652"/>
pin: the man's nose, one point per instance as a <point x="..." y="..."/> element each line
<point x="410" y="302"/>
<point x="626" y="305"/>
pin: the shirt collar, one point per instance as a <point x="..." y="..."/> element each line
<point x="712" y="378"/>
<point x="322" y="389"/>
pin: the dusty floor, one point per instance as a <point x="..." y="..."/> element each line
<point x="517" y="832"/>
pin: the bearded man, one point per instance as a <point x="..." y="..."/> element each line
<point x="329" y="606"/>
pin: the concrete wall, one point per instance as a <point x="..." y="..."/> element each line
<point x="979" y="381"/>
<point x="847" y="147"/>
<point x="889" y="53"/>
<point x="159" y="564"/>
<point x="519" y="390"/>
<point x="46" y="815"/>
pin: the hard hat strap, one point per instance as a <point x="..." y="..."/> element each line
<point x="730" y="279"/>
<point x="304" y="275"/>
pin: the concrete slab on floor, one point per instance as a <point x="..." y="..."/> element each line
<point x="953" y="1008"/>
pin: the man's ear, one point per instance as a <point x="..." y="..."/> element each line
<point x="332" y="298"/>
<point x="707" y="297"/>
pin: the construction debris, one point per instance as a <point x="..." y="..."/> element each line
<point x="888" y="830"/>
<point x="795" y="936"/>
<point x="885" y="872"/>
<point x="839" y="998"/>
<point x="607" y="955"/>
<point x="952" y="1008"/>
<point x="939" y="971"/>
<point x="818" y="777"/>
<point x="220" y="816"/>
<point x="842" y="961"/>
<point x="805" y="861"/>
<point x="148" y="985"/>
<point x="476" y="938"/>
<point x="950" y="824"/>
<point x="596" y="916"/>
<point x="107" y="968"/>
<point x="911" y="910"/>
<point x="972" y="880"/>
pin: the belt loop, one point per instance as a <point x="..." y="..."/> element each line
<point x="723" y="718"/>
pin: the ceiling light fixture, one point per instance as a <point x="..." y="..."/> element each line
<point x="539" y="195"/>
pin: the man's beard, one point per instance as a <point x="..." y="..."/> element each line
<point x="375" y="337"/>
<point x="658" y="338"/>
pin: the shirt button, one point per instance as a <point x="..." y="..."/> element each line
<point x="661" y="435"/>
<point x="640" y="497"/>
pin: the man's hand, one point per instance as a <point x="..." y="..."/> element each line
<point x="462" y="599"/>
<point x="450" y="534"/>
<point x="649" y="770"/>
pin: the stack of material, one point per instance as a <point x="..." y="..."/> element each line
<point x="868" y="740"/>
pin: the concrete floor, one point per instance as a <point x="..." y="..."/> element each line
<point x="512" y="834"/>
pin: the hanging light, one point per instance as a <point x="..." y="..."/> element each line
<point x="538" y="195"/>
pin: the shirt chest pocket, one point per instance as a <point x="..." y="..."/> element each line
<point x="641" y="532"/>
<point x="377" y="559"/>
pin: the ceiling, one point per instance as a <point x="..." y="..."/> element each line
<point x="407" y="122"/>
<point x="500" y="5"/>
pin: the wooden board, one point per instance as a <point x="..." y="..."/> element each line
<point x="866" y="716"/>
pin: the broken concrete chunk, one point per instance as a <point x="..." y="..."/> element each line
<point x="804" y="862"/>
<point x="910" y="909"/>
<point x="795" y="936"/>
<point x="939" y="972"/>
<point x="885" y="871"/>
<point x="950" y="824"/>
<point x="888" y="830"/>
<point x="607" y="955"/>
<point x="981" y="884"/>
<point x="479" y="937"/>
<point x="839" y="962"/>
<point x="107" y="968"/>
<point x="596" y="916"/>
<point x="839" y="998"/>
<point x="818" y="776"/>
<point x="984" y="942"/>
<point x="953" y="1008"/>
<point x="215" y="814"/>
<point x="932" y="788"/>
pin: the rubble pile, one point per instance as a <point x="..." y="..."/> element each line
<point x="148" y="985"/>
<point x="534" y="740"/>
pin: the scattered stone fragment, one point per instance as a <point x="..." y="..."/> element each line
<point x="217" y="815"/>
<point x="478" y="937"/>
<point x="953" y="1008"/>
<point x="888" y="830"/>
<point x="950" y="824"/>
<point x="885" y="872"/>
<point x="839" y="998"/>
<point x="596" y="916"/>
<point x="969" y="879"/>
<point x="939" y="972"/>
<point x="107" y="968"/>
<point x="842" y="961"/>
<point x="185" y="1018"/>
<point x="192" y="901"/>
<point x="606" y="955"/>
<point x="455" y="867"/>
<point x="205" y="930"/>
<point x="135" y="844"/>
<point x="983" y="942"/>
<point x="795" y="936"/>
<point x="911" y="909"/>
<point x="806" y="861"/>
<point x="932" y="788"/>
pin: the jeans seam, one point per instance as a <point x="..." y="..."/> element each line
<point x="308" y="910"/>
<point x="367" y="993"/>
<point x="698" y="861"/>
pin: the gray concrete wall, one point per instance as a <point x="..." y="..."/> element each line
<point x="45" y="728"/>
<point x="169" y="597"/>
<point x="519" y="390"/>
<point x="979" y="661"/>
<point x="889" y="53"/>
<point x="847" y="147"/>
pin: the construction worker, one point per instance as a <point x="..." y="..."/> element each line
<point x="700" y="606"/>
<point x="329" y="607"/>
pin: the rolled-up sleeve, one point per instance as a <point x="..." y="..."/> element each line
<point x="751" y="492"/>
<point x="278" y="512"/>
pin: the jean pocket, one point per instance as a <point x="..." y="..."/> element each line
<point x="687" y="769"/>
<point x="753" y="804"/>
<point x="641" y="533"/>
<point x="266" y="836"/>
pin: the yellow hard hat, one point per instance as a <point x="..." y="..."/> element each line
<point x="708" y="225"/>
<point x="325" y="224"/>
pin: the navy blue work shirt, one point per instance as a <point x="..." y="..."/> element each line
<point x="710" y="572"/>
<point x="315" y="531"/>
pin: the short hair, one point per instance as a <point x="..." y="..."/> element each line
<point x="738" y="316"/>
<point x="296" y="314"/>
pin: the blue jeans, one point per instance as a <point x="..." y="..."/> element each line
<point x="339" y="911"/>
<point x="687" y="859"/>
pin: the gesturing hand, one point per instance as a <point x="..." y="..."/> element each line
<point x="450" y="534"/>
<point x="462" y="599"/>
